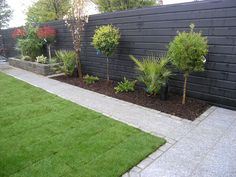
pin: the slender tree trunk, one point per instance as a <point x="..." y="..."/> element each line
<point x="185" y="88"/>
<point x="80" y="74"/>
<point x="108" y="69"/>
<point x="49" y="52"/>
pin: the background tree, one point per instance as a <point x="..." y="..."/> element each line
<point x="105" y="40"/>
<point x="119" y="5"/>
<point x="5" y="14"/>
<point x="47" y="10"/>
<point x="187" y="53"/>
<point x="75" y="20"/>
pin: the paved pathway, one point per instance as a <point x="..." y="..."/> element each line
<point x="204" y="147"/>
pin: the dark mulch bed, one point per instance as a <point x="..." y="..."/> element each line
<point x="191" y="110"/>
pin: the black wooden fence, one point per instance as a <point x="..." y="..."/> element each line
<point x="149" y="30"/>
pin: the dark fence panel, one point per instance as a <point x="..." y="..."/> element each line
<point x="149" y="30"/>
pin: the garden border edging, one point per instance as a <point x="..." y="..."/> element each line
<point x="38" y="68"/>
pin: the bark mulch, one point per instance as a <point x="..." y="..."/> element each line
<point x="191" y="110"/>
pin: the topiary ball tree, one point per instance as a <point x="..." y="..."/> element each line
<point x="187" y="53"/>
<point x="105" y="40"/>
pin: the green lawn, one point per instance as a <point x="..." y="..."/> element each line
<point x="42" y="135"/>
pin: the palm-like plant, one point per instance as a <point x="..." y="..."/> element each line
<point x="153" y="72"/>
<point x="69" y="61"/>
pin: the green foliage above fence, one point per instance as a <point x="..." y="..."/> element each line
<point x="119" y="5"/>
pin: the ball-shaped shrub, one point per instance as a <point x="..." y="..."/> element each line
<point x="105" y="40"/>
<point x="187" y="53"/>
<point x="19" y="33"/>
<point x="47" y="33"/>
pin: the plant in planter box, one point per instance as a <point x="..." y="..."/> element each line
<point x="187" y="53"/>
<point x="125" y="86"/>
<point x="153" y="73"/>
<point x="26" y="58"/>
<point x="105" y="40"/>
<point x="48" y="35"/>
<point x="41" y="59"/>
<point x="69" y="61"/>
<point x="28" y="43"/>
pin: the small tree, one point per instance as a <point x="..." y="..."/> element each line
<point x="19" y="33"/>
<point x="187" y="53"/>
<point x="75" y="20"/>
<point x="48" y="35"/>
<point x="105" y="40"/>
<point x="28" y="42"/>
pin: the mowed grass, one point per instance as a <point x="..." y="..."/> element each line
<point x="42" y="135"/>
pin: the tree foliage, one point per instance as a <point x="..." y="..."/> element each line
<point x="47" y="10"/>
<point x="48" y="35"/>
<point x="5" y="14"/>
<point x="105" y="40"/>
<point x="30" y="45"/>
<point x="119" y="5"/>
<point x="75" y="20"/>
<point x="187" y="53"/>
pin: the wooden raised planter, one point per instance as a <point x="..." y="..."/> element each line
<point x="38" y="68"/>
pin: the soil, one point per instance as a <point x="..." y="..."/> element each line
<point x="191" y="110"/>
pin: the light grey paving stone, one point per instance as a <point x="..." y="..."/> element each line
<point x="187" y="121"/>
<point x="134" y="174"/>
<point x="221" y="161"/>
<point x="196" y="122"/>
<point x="135" y="169"/>
<point x="145" y="163"/>
<point x="169" y="165"/>
<point x="169" y="140"/>
<point x="125" y="175"/>
<point x="165" y="147"/>
<point x="175" y="117"/>
<point x="184" y="157"/>
<point x="219" y="119"/>
<point x="156" y="154"/>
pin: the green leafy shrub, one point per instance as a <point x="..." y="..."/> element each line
<point x="125" y="86"/>
<point x="30" y="45"/>
<point x="105" y="40"/>
<point x="54" y="60"/>
<point x="90" y="79"/>
<point x="69" y="61"/>
<point x="119" y="5"/>
<point x="187" y="53"/>
<point x="41" y="59"/>
<point x="26" y="58"/>
<point x="153" y="72"/>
